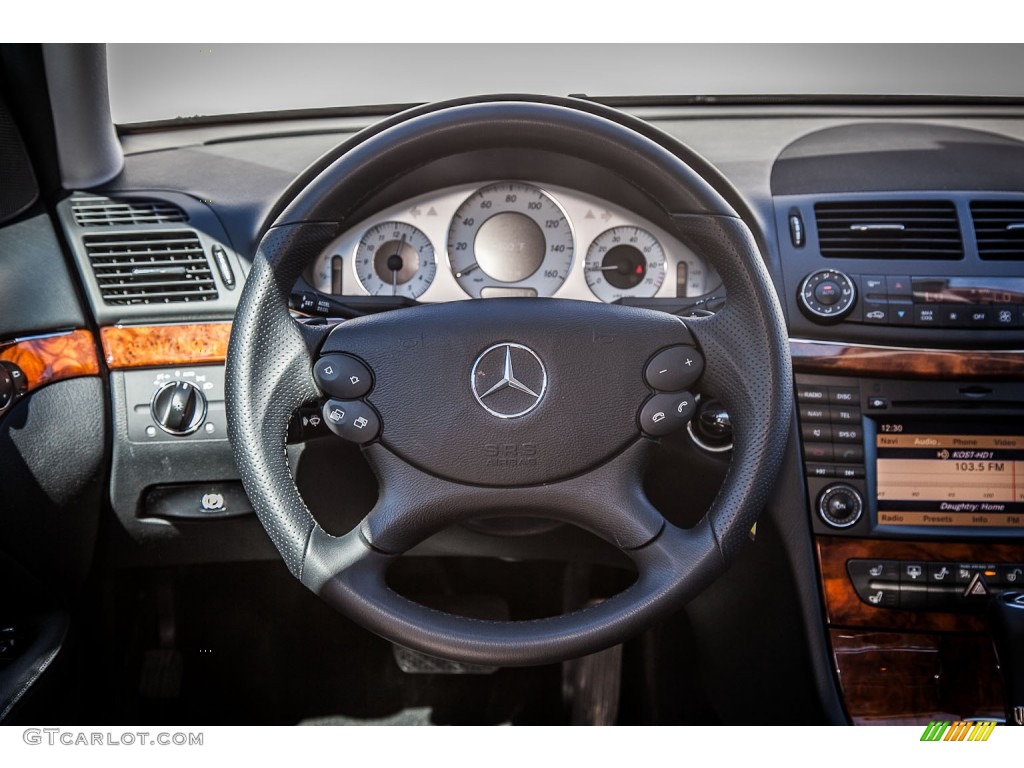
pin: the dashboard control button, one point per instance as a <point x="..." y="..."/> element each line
<point x="664" y="414"/>
<point x="914" y="572"/>
<point x="818" y="451"/>
<point x="827" y="293"/>
<point x="840" y="505"/>
<point x="843" y="396"/>
<point x="816" y="432"/>
<point x="874" y="287"/>
<point x="898" y="287"/>
<point x="1011" y="575"/>
<point x="979" y="316"/>
<point x="901" y="313"/>
<point x="352" y="420"/>
<point x="884" y="570"/>
<point x="826" y="296"/>
<point x="941" y="573"/>
<point x="814" y="413"/>
<point x="849" y="473"/>
<point x="876" y="312"/>
<point x="878" y="403"/>
<point x="821" y="470"/>
<point x="849" y="453"/>
<point x="927" y="315"/>
<point x="847" y="434"/>
<point x="844" y="415"/>
<point x="342" y="376"/>
<point x="810" y="393"/>
<point x="1005" y="316"/>
<point x="674" y="369"/>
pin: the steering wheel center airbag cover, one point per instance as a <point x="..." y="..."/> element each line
<point x="577" y="400"/>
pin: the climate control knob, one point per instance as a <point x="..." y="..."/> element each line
<point x="840" y="505"/>
<point x="827" y="296"/>
<point x="178" y="408"/>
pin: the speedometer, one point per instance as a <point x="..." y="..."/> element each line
<point x="510" y="239"/>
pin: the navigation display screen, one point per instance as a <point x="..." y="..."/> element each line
<point x="930" y="474"/>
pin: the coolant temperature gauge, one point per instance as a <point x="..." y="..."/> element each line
<point x="395" y="259"/>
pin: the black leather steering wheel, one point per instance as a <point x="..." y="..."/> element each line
<point x="586" y="451"/>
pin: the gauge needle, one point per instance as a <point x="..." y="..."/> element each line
<point x="467" y="270"/>
<point x="396" y="264"/>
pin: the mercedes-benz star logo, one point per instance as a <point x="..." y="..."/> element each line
<point x="511" y="378"/>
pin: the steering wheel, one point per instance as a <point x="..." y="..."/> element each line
<point x="526" y="407"/>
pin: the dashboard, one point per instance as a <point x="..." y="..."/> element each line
<point x="906" y="324"/>
<point x="510" y="238"/>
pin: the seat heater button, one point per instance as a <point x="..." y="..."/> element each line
<point x="342" y="376"/>
<point x="674" y="369"/>
<point x="352" y="419"/>
<point x="664" y="414"/>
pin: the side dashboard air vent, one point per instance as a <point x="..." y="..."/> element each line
<point x="150" y="267"/>
<point x="919" y="229"/>
<point x="105" y="212"/>
<point x="999" y="227"/>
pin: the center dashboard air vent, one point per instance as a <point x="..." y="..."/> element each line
<point x="999" y="227"/>
<point x="918" y="229"/>
<point x="106" y="212"/>
<point x="150" y="267"/>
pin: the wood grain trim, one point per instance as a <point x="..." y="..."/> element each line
<point x="893" y="362"/>
<point x="141" y="346"/>
<point x="892" y="678"/>
<point x="46" y="359"/>
<point x="844" y="608"/>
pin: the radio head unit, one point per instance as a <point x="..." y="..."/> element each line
<point x="913" y="459"/>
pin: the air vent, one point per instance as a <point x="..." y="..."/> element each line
<point x="921" y="229"/>
<point x="150" y="268"/>
<point x="999" y="226"/>
<point x="104" y="212"/>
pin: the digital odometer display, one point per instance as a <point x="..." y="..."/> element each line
<point x="949" y="475"/>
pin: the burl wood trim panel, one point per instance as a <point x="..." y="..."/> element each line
<point x="46" y="359"/>
<point x="907" y="678"/>
<point x="854" y="360"/>
<point x="141" y="346"/>
<point x="844" y="608"/>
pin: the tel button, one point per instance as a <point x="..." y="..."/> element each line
<point x="663" y="414"/>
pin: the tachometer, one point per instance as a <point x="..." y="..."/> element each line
<point x="625" y="261"/>
<point x="510" y="239"/>
<point x="395" y="259"/>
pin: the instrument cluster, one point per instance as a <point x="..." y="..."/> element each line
<point x="509" y="238"/>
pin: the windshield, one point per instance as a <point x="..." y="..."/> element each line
<point x="156" y="82"/>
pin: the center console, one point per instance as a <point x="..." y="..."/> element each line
<point x="906" y="317"/>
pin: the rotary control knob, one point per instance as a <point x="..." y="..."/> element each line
<point x="827" y="296"/>
<point x="178" y="408"/>
<point x="840" y="505"/>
